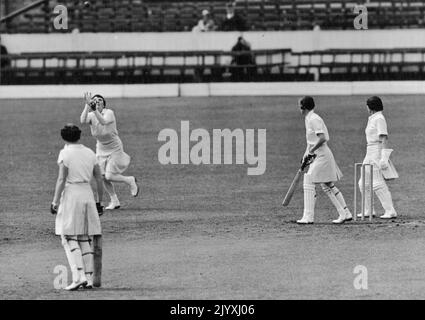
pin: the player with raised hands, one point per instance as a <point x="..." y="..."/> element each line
<point x="112" y="159"/>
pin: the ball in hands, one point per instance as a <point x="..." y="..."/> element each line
<point x="86" y="4"/>
<point x="92" y="105"/>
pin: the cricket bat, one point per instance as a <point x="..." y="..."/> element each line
<point x="307" y="161"/>
<point x="97" y="270"/>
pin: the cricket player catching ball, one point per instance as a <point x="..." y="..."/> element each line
<point x="77" y="219"/>
<point x="323" y="170"/>
<point x="377" y="154"/>
<point x="112" y="159"/>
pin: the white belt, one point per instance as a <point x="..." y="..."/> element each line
<point x="78" y="182"/>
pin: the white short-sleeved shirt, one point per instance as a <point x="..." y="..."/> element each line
<point x="107" y="137"/>
<point x="314" y="125"/>
<point x="376" y="126"/>
<point x="80" y="162"/>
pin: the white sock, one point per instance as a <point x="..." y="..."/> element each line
<point x="114" y="198"/>
<point x="109" y="187"/>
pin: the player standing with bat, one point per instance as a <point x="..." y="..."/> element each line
<point x="323" y="170"/>
<point x="305" y="163"/>
<point x="77" y="219"/>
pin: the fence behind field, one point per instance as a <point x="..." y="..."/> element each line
<point x="213" y="66"/>
<point x="361" y="64"/>
<point x="143" y="67"/>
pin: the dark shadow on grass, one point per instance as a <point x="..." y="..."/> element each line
<point x="133" y="289"/>
<point x="352" y="223"/>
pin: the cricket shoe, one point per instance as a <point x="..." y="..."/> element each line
<point x="390" y="215"/>
<point x="134" y="188"/>
<point x="89" y="284"/>
<point x="366" y="215"/>
<point x="113" y="205"/>
<point x="76" y="285"/>
<point x="305" y="221"/>
<point x="348" y="216"/>
<point x="340" y="220"/>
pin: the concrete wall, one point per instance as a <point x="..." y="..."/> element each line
<point x="180" y="41"/>
<point x="216" y="89"/>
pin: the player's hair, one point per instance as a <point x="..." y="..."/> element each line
<point x="307" y="102"/>
<point x="375" y="103"/>
<point x="99" y="96"/>
<point x="70" y="133"/>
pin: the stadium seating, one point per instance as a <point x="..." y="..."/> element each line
<point x="215" y="66"/>
<point x="160" y="16"/>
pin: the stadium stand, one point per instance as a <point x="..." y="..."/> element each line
<point x="190" y="66"/>
<point x="215" y="66"/>
<point x="144" y="67"/>
<point x="166" y="16"/>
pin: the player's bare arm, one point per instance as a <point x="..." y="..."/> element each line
<point x="319" y="143"/>
<point x="383" y="139"/>
<point x="84" y="114"/>
<point x="60" y="184"/>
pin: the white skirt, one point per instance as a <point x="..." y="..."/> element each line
<point x="373" y="156"/>
<point x="324" y="168"/>
<point x="116" y="163"/>
<point x="77" y="212"/>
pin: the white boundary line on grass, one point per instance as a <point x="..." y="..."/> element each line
<point x="215" y="89"/>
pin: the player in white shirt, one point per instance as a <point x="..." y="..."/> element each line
<point x="324" y="169"/>
<point x="378" y="154"/>
<point x="112" y="159"/>
<point x="77" y="219"/>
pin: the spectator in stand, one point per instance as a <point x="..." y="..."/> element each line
<point x="243" y="60"/>
<point x="233" y="21"/>
<point x="316" y="25"/>
<point x="205" y="24"/>
<point x="4" y="61"/>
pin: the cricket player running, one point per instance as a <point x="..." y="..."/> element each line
<point x="377" y="154"/>
<point x="77" y="219"/>
<point x="112" y="159"/>
<point x="323" y="170"/>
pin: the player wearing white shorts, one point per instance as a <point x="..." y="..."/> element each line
<point x="112" y="159"/>
<point x="378" y="154"/>
<point x="324" y="169"/>
<point x="77" y="219"/>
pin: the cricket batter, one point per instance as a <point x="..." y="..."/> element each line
<point x="112" y="159"/>
<point x="77" y="219"/>
<point x="378" y="154"/>
<point x="323" y="170"/>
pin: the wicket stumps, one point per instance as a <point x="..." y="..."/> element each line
<point x="363" y="188"/>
